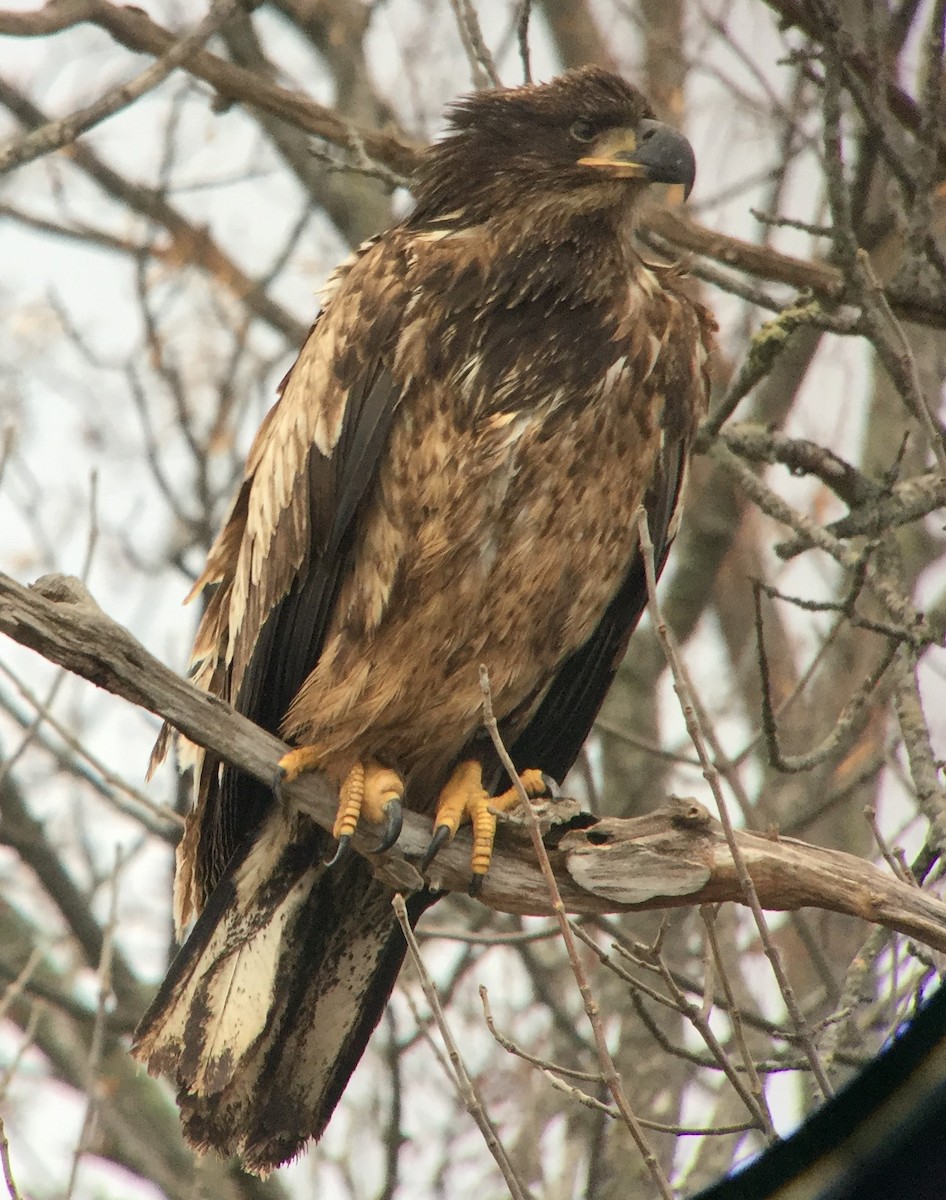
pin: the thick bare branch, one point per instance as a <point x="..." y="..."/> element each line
<point x="676" y="856"/>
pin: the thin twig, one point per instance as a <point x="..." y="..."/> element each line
<point x="355" y="161"/>
<point x="893" y="858"/>
<point x="733" y="1011"/>
<point x="481" y="62"/>
<point x="848" y="723"/>
<point x="522" y="35"/>
<point x="609" y="1070"/>
<point x="927" y="168"/>
<point x="895" y="352"/>
<point x="840" y="1028"/>
<point x="519" y="938"/>
<point x="394" y="1139"/>
<point x="96" y="1048"/>
<point x="5" y="1160"/>
<point x="914" y="730"/>
<point x="684" y="690"/>
<point x="657" y="1126"/>
<point x="465" y="1085"/>
<point x="17" y="986"/>
<point x="592" y="1102"/>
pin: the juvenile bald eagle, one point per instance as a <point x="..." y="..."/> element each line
<point x="450" y="477"/>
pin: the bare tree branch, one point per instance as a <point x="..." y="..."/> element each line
<point x="60" y="133"/>
<point x="133" y="28"/>
<point x="676" y="856"/>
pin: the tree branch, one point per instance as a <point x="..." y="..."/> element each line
<point x="673" y="857"/>
<point x="134" y="29"/>
<point x="59" y="133"/>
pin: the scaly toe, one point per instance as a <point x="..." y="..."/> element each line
<point x="294" y="763"/>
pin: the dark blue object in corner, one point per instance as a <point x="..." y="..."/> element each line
<point x="882" y="1138"/>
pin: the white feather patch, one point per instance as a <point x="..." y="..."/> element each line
<point x="220" y="1005"/>
<point x="238" y="992"/>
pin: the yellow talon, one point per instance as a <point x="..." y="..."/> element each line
<point x="351" y="796"/>
<point x="463" y="797"/>
<point x="460" y="795"/>
<point x="532" y="780"/>
<point x="484" y="834"/>
<point x="367" y="791"/>
<point x="298" y="761"/>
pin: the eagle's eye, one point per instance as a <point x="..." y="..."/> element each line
<point x="582" y="131"/>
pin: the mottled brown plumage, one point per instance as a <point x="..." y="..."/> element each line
<point x="450" y="477"/>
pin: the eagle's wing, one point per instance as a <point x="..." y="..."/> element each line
<point x="268" y="1005"/>
<point x="554" y="733"/>
<point x="287" y="544"/>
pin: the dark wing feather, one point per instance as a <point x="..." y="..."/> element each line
<point x="292" y="636"/>
<point x="286" y="547"/>
<point x="558" y="727"/>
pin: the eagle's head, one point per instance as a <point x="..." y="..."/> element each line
<point x="585" y="143"/>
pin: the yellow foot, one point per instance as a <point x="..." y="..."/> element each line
<point x="373" y="792"/>
<point x="369" y="790"/>
<point x="296" y="763"/>
<point x="464" y="798"/>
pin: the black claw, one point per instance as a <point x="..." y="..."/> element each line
<point x="552" y="790"/>
<point x="393" y="820"/>
<point x="279" y="778"/>
<point x="437" y="843"/>
<point x="341" y="851"/>
<point x="476" y="885"/>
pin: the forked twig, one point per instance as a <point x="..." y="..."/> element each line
<point x="544" y="1064"/>
<point x="481" y="62"/>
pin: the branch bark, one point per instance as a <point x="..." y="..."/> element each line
<point x="673" y="857"/>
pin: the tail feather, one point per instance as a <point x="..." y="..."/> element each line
<point x="269" y="1004"/>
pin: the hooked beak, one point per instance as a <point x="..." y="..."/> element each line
<point x="653" y="151"/>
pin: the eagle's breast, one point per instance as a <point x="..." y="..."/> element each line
<point x="503" y="517"/>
